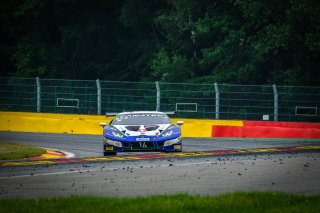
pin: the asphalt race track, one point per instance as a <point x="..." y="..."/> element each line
<point x="91" y="145"/>
<point x="293" y="172"/>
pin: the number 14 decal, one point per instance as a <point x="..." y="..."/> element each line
<point x="143" y="144"/>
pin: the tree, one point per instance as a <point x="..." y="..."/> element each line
<point x="235" y="41"/>
<point x="175" y="68"/>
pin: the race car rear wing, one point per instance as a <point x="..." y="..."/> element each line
<point x="169" y="113"/>
<point x="115" y="113"/>
<point x="111" y="113"/>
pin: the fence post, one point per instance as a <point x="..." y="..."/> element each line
<point x="216" y="88"/>
<point x="276" y="102"/>
<point x="99" y="96"/>
<point x="38" y="94"/>
<point x="158" y="95"/>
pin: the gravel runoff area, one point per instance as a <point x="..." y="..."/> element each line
<point x="290" y="172"/>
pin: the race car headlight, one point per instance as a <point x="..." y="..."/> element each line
<point x="171" y="142"/>
<point x="113" y="143"/>
<point x="167" y="134"/>
<point x="117" y="135"/>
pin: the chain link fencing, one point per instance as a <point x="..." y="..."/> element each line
<point x="210" y="101"/>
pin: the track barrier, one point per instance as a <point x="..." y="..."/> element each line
<point x="89" y="124"/>
<point x="267" y="129"/>
<point x="199" y="128"/>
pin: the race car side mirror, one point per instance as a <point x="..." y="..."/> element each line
<point x="180" y="123"/>
<point x="102" y="124"/>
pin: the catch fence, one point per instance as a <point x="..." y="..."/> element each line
<point x="210" y="101"/>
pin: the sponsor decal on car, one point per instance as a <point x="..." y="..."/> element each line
<point x="142" y="139"/>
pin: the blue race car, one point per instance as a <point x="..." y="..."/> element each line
<point x="141" y="131"/>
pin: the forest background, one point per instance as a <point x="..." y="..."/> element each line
<point x="191" y="41"/>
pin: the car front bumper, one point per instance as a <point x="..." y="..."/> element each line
<point x="143" y="146"/>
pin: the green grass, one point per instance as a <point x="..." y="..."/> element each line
<point x="233" y="202"/>
<point x="13" y="151"/>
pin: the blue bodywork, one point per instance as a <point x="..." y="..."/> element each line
<point x="115" y="141"/>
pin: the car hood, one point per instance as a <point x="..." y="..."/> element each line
<point x="137" y="130"/>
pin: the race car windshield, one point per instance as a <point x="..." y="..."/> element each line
<point x="141" y="119"/>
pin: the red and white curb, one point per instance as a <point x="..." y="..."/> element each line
<point x="53" y="154"/>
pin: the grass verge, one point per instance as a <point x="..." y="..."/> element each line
<point x="232" y="202"/>
<point x="13" y="151"/>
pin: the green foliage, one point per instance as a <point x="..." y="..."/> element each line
<point x="235" y="41"/>
<point x="170" y="69"/>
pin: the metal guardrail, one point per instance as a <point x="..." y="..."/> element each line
<point x="212" y="101"/>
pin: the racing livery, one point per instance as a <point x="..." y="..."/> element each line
<point x="141" y="131"/>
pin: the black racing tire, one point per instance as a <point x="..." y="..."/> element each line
<point x="109" y="153"/>
<point x="172" y="151"/>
